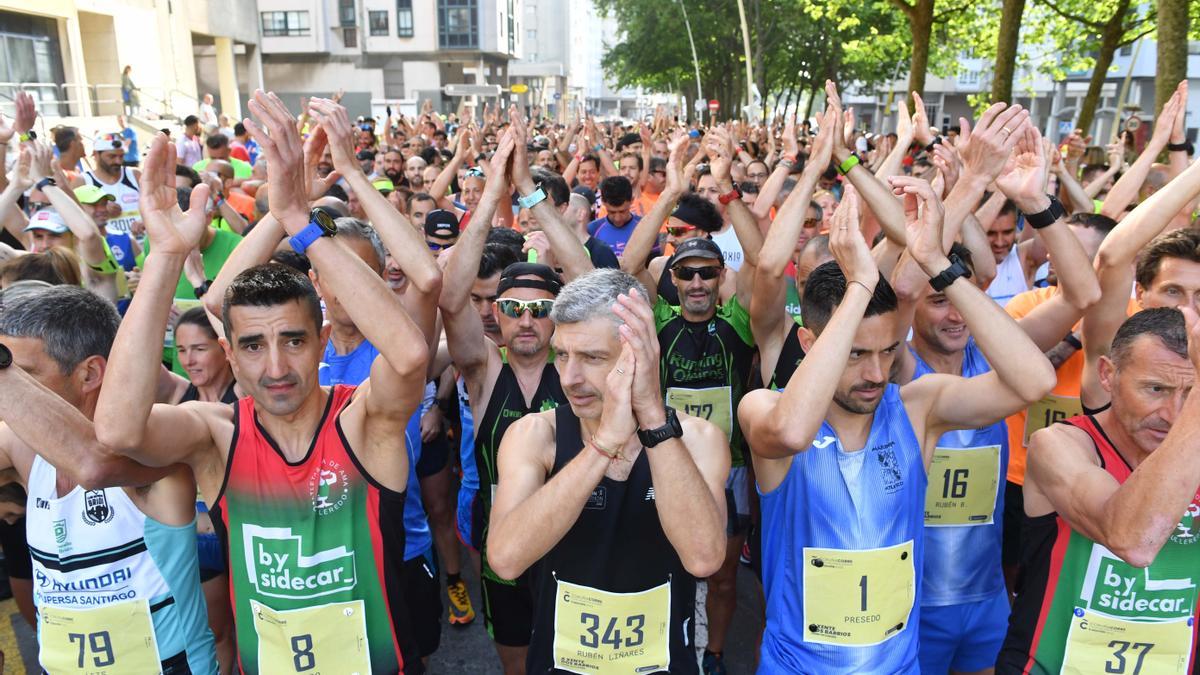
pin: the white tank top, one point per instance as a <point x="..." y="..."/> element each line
<point x="1010" y="279"/>
<point x="730" y="247"/>
<point x="125" y="191"/>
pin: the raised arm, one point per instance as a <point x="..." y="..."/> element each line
<point x="770" y="189"/>
<point x="645" y="233"/>
<point x="441" y="184"/>
<point x="1129" y="185"/>
<point x="893" y="164"/>
<point x="874" y="194"/>
<point x="720" y="151"/>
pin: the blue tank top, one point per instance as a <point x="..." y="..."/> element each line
<point x="962" y="562"/>
<point x="353" y="369"/>
<point x="466" y="446"/>
<point x="831" y="499"/>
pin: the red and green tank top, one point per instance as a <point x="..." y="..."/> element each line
<point x="1081" y="609"/>
<point x="315" y="551"/>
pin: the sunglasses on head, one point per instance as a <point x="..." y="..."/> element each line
<point x="680" y="230"/>
<point x="513" y="308"/>
<point x="688" y="273"/>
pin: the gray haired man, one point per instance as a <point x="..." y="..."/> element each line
<point x="619" y="498"/>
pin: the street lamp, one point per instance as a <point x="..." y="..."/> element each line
<point x="695" y="60"/>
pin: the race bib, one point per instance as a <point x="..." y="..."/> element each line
<point x="713" y="404"/>
<point x="1049" y="410"/>
<point x="602" y="633"/>
<point x="962" y="486"/>
<point x="857" y="598"/>
<point x="1102" y="644"/>
<point x="328" y="638"/>
<point x="111" y="640"/>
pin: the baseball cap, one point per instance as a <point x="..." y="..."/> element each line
<point x="548" y="280"/>
<point x="441" y="223"/>
<point x="105" y="142"/>
<point x="384" y="185"/>
<point x="48" y="220"/>
<point x="696" y="248"/>
<point x="90" y="194"/>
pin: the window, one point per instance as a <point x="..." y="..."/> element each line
<point x="284" y="24"/>
<point x="457" y="23"/>
<point x="346" y="13"/>
<point x="404" y="18"/>
<point x="378" y="22"/>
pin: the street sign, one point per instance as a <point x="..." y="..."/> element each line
<point x="714" y="105"/>
<point x="519" y="88"/>
<point x="699" y="105"/>
<point x="557" y="96"/>
<point x="471" y="90"/>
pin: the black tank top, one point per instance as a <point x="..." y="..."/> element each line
<point x="617" y="545"/>
<point x="193" y="394"/>
<point x="790" y="356"/>
<point x="666" y="288"/>
<point x="507" y="405"/>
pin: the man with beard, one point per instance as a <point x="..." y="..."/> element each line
<point x="707" y="355"/>
<point x="618" y="499"/>
<point x="840" y="455"/>
<point x="393" y="165"/>
<point x="414" y="173"/>
<point x="504" y="384"/>
<point x="321" y="473"/>
<point x="113" y="178"/>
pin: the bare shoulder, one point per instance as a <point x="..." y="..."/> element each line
<point x="537" y="427"/>
<point x="1062" y="445"/>
<point x="701" y="435"/>
<point x="14" y="453"/>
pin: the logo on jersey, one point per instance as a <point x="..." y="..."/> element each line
<point x="1117" y="588"/>
<point x="96" y="510"/>
<point x="277" y="567"/>
<point x="329" y="487"/>
<point x="889" y="467"/>
<point x="598" y="499"/>
<point x="60" y="536"/>
<point x="1186" y="531"/>
<point x="548" y="404"/>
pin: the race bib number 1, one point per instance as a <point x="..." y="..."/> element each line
<point x="858" y="598"/>
<point x="325" y="639"/>
<point x="112" y="640"/>
<point x="962" y="486"/>
<point x="1101" y="644"/>
<point x="602" y="633"/>
<point x="712" y="404"/>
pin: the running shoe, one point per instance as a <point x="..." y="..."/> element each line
<point x="713" y="664"/>
<point x="744" y="558"/>
<point x="461" y="611"/>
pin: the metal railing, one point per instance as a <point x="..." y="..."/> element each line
<point x="64" y="99"/>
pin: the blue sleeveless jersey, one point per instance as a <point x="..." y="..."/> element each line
<point x="962" y="563"/>
<point x="466" y="446"/>
<point x="814" y="507"/>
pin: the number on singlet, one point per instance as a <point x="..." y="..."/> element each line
<point x="640" y="619"/>
<point x="592" y="639"/>
<point x="954" y="484"/>
<point x="704" y="410"/>
<point x="1053" y="416"/>
<point x="862" y="584"/>
<point x="100" y="644"/>
<point x="1117" y="667"/>
<point x="302" y="655"/>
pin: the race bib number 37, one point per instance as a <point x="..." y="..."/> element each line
<point x="858" y="598"/>
<point x="1101" y="644"/>
<point x="602" y="633"/>
<point x="325" y="639"/>
<point x="112" y="640"/>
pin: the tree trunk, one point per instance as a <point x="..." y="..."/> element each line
<point x="920" y="20"/>
<point x="1172" y="49"/>
<point x="1006" y="49"/>
<point x="812" y="96"/>
<point x="1109" y="40"/>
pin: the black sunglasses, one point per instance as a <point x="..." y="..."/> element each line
<point x="688" y="273"/>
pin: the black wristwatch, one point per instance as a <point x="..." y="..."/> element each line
<point x="1180" y="147"/>
<point x="200" y="290"/>
<point x="671" y="429"/>
<point x="1048" y="217"/>
<point x="44" y="182"/>
<point x="6" y="359"/>
<point x="956" y="269"/>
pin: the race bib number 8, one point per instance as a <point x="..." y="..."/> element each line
<point x="962" y="486"/>
<point x="712" y="404"/>
<point x="1049" y="410"/>
<point x="326" y="639"/>
<point x="602" y="633"/>
<point x="858" y="598"/>
<point x="112" y="640"/>
<point x="1101" y="644"/>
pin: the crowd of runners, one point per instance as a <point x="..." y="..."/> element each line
<point x="269" y="389"/>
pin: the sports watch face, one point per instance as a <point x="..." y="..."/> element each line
<point x="323" y="220"/>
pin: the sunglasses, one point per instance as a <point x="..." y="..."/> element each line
<point x="475" y="172"/>
<point x="513" y="308"/>
<point x="812" y="222"/>
<point x="689" y="273"/>
<point x="680" y="230"/>
<point x="434" y="246"/>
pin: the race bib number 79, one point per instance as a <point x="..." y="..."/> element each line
<point x="113" y="640"/>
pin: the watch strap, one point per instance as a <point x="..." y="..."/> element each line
<point x="1047" y="217"/>
<point x="44" y="182"/>
<point x="532" y="199"/>
<point x="1180" y="147"/>
<point x="730" y="196"/>
<point x="671" y="428"/>
<point x="848" y="164"/>
<point x="949" y="275"/>
<point x="305" y="238"/>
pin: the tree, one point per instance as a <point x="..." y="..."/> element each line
<point x="1172" y="49"/>
<point x="1007" y="38"/>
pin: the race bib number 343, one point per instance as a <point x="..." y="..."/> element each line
<point x="325" y="639"/>
<point x="602" y="633"/>
<point x="114" y="640"/>
<point x="858" y="598"/>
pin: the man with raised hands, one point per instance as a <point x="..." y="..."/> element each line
<point x="841" y="455"/>
<point x="306" y="484"/>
